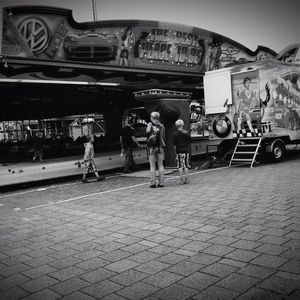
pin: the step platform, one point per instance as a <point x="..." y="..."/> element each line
<point x="244" y="133"/>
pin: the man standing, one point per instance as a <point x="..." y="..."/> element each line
<point x="128" y="143"/>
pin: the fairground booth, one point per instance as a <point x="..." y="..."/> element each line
<point x="63" y="80"/>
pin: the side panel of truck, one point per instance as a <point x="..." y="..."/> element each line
<point x="275" y="101"/>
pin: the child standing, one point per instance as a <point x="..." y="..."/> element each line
<point x="88" y="158"/>
<point x="182" y="143"/>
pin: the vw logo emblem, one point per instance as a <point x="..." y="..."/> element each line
<point x="35" y="33"/>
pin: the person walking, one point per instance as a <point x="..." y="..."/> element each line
<point x="182" y="143"/>
<point x="88" y="158"/>
<point x="37" y="146"/>
<point x="155" y="145"/>
<point x="128" y="143"/>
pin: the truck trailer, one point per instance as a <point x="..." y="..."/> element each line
<point x="254" y="105"/>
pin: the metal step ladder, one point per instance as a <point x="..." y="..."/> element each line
<point x="246" y="150"/>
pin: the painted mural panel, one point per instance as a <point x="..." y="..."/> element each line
<point x="246" y="108"/>
<point x="282" y="112"/>
<point x="53" y="34"/>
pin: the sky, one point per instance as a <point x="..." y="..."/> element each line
<point x="271" y="23"/>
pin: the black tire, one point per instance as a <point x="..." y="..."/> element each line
<point x="278" y="151"/>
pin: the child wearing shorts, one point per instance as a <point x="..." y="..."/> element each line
<point x="182" y="143"/>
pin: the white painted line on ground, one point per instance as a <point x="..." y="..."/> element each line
<point x="116" y="190"/>
<point x="49" y="187"/>
<point x="85" y="196"/>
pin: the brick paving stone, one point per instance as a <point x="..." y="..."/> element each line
<point x="208" y="229"/>
<point x="115" y="255"/>
<point x="101" y="289"/>
<point x="167" y="230"/>
<point x="246" y="245"/>
<point x="13" y="293"/>
<point x="219" y="270"/>
<point x="176" y="242"/>
<point x="237" y="282"/>
<point x="216" y="293"/>
<point x="162" y="279"/>
<point x="122" y="265"/>
<point x="174" y="292"/>
<point x="88" y="254"/>
<point x="113" y="297"/>
<point x="270" y="249"/>
<point x="148" y="243"/>
<point x="63" y="263"/>
<point x="231" y="262"/>
<point x="293" y="243"/>
<point x="159" y="238"/>
<point x="288" y="275"/>
<point x="135" y="248"/>
<point x="38" y="284"/>
<point x="187" y="253"/>
<point x="137" y="291"/>
<point x="292" y="254"/>
<point x="279" y="285"/>
<point x="128" y="277"/>
<point x="274" y="240"/>
<point x="242" y="255"/>
<point x="275" y="231"/>
<point x="218" y="250"/>
<point x="202" y="236"/>
<point x="38" y="271"/>
<point x="259" y="294"/>
<point x="86" y="246"/>
<point x="144" y="256"/>
<point x="185" y="268"/>
<point x="196" y="246"/>
<point x="81" y="296"/>
<point x="93" y="263"/>
<point x="198" y="280"/>
<point x="270" y="261"/>
<point x="223" y="240"/>
<point x="97" y="275"/>
<point x="162" y="249"/>
<point x="250" y="236"/>
<point x="66" y="273"/>
<point x="44" y="294"/>
<point x="252" y="228"/>
<point x="171" y="258"/>
<point x="11" y="281"/>
<point x="205" y="259"/>
<point x="14" y="269"/>
<point x="69" y="286"/>
<point x="292" y="266"/>
<point x="256" y="271"/>
<point x="183" y="233"/>
<point x="110" y="246"/>
<point x="152" y="267"/>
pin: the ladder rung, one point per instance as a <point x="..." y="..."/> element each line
<point x="247" y="145"/>
<point x="241" y="159"/>
<point x="244" y="152"/>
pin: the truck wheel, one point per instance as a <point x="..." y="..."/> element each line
<point x="278" y="151"/>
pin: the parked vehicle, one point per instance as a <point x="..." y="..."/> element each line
<point x="258" y="99"/>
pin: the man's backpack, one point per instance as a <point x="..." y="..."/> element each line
<point x="154" y="137"/>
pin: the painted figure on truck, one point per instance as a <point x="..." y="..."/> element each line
<point x="246" y="102"/>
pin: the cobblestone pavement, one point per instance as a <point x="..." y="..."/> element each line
<point x="233" y="233"/>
